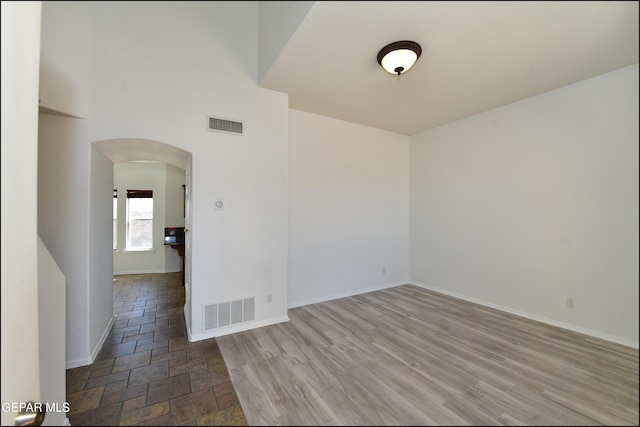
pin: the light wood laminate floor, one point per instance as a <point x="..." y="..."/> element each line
<point x="409" y="356"/>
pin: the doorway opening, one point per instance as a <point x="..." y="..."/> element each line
<point x="165" y="173"/>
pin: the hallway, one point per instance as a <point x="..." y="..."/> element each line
<point x="147" y="372"/>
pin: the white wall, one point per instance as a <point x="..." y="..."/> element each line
<point x="51" y="319"/>
<point x="64" y="60"/>
<point x="166" y="183"/>
<point x="348" y="208"/>
<point x="140" y="176"/>
<point x="71" y="177"/>
<point x="174" y="211"/>
<point x="20" y="338"/>
<point x="100" y="298"/>
<point x="157" y="76"/>
<point x="63" y="221"/>
<point x="525" y="205"/>
<point x="278" y="20"/>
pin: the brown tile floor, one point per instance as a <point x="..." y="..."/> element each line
<point x="147" y="372"/>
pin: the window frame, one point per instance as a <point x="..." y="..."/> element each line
<point x="115" y="219"/>
<point x="138" y="194"/>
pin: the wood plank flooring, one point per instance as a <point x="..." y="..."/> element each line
<point x="409" y="356"/>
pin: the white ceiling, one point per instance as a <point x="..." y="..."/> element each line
<point x="475" y="56"/>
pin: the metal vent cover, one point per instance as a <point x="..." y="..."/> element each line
<point x="210" y="316"/>
<point x="228" y="313"/>
<point x="218" y="124"/>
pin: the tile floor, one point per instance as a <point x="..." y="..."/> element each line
<point x="147" y="372"/>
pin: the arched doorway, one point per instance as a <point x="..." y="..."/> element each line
<point x="137" y="149"/>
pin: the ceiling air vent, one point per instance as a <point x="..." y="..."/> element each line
<point x="217" y="124"/>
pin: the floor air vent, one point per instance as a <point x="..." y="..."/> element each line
<point x="228" y="313"/>
<point x="217" y="124"/>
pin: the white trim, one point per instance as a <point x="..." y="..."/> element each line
<point x="186" y="316"/>
<point x="140" y="251"/>
<point x="126" y="272"/>
<point x="344" y="294"/>
<point x="70" y="364"/>
<point x="240" y="327"/>
<point x="89" y="360"/>
<point x="607" y="337"/>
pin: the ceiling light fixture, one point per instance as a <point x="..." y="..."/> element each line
<point x="397" y="57"/>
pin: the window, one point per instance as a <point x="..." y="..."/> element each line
<point x="115" y="219"/>
<point x="139" y="219"/>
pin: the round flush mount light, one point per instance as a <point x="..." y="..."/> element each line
<point x="397" y="57"/>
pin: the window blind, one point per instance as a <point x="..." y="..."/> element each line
<point x="140" y="194"/>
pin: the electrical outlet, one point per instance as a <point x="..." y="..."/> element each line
<point x="269" y="299"/>
<point x="571" y="303"/>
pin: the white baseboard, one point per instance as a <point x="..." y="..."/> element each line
<point x="124" y="272"/>
<point x="70" y="364"/>
<point x="238" y="328"/>
<point x="568" y="326"/>
<point x="344" y="294"/>
<point x="186" y="316"/>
